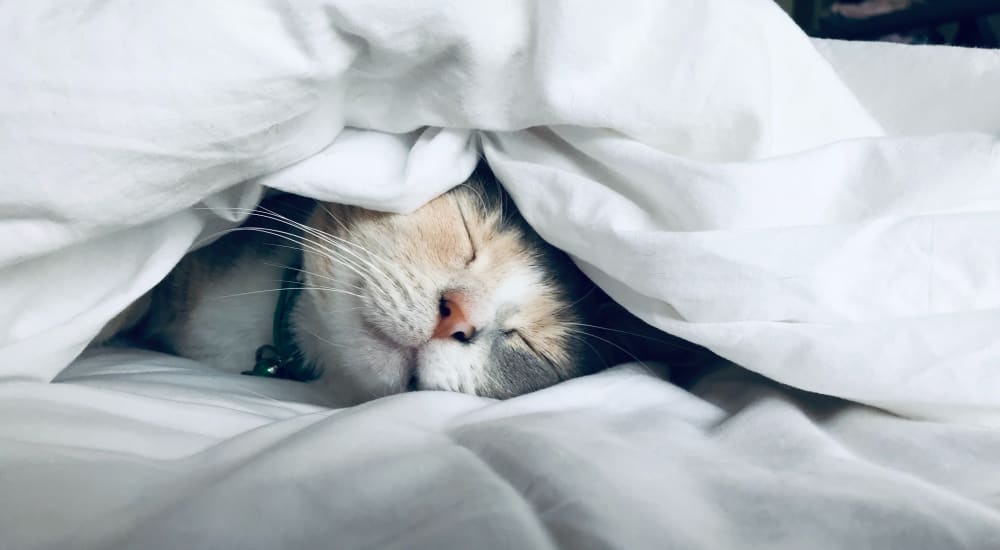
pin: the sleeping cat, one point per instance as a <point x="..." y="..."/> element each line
<point x="459" y="295"/>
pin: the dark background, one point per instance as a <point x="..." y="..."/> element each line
<point x="972" y="23"/>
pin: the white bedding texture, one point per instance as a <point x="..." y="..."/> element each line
<point x="822" y="215"/>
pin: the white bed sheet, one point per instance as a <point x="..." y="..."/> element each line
<point x="132" y="450"/>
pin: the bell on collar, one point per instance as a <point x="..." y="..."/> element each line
<point x="267" y="362"/>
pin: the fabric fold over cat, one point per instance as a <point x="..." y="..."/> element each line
<point x="818" y="212"/>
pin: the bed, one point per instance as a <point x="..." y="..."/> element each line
<point x="821" y="215"/>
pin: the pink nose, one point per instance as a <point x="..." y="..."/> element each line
<point x="452" y="323"/>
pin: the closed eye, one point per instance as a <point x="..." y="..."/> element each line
<point x="468" y="233"/>
<point x="514" y="333"/>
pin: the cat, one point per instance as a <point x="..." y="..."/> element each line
<point x="460" y="295"/>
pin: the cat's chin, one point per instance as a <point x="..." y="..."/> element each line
<point x="359" y="363"/>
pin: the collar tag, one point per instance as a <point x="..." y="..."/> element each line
<point x="267" y="362"/>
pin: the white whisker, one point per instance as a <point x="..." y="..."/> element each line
<point x="609" y="342"/>
<point x="328" y="237"/>
<point x="321" y="288"/>
<point x="690" y="347"/>
<point x="324" y="340"/>
<point x="591" y="346"/>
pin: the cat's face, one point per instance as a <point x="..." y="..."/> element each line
<point x="460" y="295"/>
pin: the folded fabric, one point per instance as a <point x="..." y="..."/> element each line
<point x="793" y="205"/>
<point x="149" y="451"/>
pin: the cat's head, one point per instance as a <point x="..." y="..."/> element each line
<point x="460" y="295"/>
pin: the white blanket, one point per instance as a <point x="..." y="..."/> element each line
<point x="822" y="213"/>
<point x="147" y="451"/>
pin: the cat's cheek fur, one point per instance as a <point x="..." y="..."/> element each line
<point x="352" y="365"/>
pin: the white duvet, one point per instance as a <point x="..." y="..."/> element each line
<point x="821" y="213"/>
